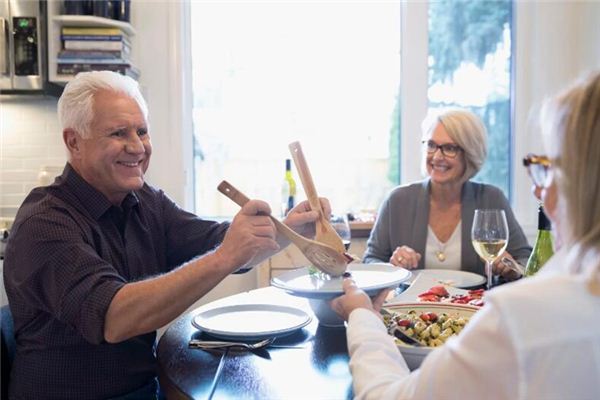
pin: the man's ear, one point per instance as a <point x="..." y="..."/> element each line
<point x="72" y="140"/>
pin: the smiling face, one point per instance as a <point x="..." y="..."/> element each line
<point x="115" y="155"/>
<point x="443" y="169"/>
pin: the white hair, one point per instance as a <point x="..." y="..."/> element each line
<point x="466" y="129"/>
<point x="76" y="105"/>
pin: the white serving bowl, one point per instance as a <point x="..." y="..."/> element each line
<point x="413" y="355"/>
<point x="325" y="314"/>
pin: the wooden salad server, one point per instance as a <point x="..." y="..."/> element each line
<point x="322" y="256"/>
<point x="325" y="233"/>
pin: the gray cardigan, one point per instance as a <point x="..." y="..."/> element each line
<point x="404" y="216"/>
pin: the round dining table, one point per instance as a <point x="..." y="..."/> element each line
<point x="308" y="363"/>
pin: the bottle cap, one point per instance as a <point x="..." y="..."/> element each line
<point x="288" y="164"/>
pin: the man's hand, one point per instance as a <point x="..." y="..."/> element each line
<point x="356" y="298"/>
<point x="250" y="238"/>
<point x="301" y="218"/>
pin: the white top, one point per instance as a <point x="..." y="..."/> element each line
<point x="451" y="250"/>
<point x="537" y="338"/>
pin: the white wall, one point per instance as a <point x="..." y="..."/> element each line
<point x="557" y="42"/>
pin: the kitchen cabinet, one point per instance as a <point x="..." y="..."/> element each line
<point x="56" y="21"/>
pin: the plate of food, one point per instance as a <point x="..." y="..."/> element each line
<point x="427" y="289"/>
<point x="418" y="328"/>
<point x="451" y="277"/>
<point x="251" y="321"/>
<point x="311" y="283"/>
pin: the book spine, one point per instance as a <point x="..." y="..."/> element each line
<point x="95" y="45"/>
<point x="117" y="38"/>
<point x="73" y="69"/>
<point x="115" y="61"/>
<point x="91" y="31"/>
<point x="93" y="54"/>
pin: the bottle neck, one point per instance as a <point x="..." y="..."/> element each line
<point x="544" y="223"/>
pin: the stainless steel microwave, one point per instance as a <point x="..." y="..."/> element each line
<point x="22" y="62"/>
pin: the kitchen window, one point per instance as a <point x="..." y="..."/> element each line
<point x="329" y="75"/>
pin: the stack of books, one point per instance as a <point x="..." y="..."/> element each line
<point x="94" y="49"/>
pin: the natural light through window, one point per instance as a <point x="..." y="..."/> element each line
<point x="269" y="73"/>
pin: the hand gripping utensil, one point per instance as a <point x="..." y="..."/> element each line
<point x="322" y="256"/>
<point x="325" y="233"/>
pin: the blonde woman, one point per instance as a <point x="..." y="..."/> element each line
<point x="428" y="224"/>
<point x="538" y="338"/>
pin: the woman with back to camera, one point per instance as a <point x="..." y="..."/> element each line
<point x="538" y="338"/>
<point x="428" y="224"/>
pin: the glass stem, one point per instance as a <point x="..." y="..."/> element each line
<point x="488" y="273"/>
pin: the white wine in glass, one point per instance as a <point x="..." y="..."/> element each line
<point x="489" y="235"/>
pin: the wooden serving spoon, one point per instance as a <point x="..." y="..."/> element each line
<point x="322" y="256"/>
<point x="325" y="233"/>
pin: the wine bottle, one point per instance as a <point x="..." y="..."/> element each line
<point x="288" y="189"/>
<point x="542" y="249"/>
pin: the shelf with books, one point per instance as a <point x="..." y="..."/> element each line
<point x="85" y="42"/>
<point x="92" y="22"/>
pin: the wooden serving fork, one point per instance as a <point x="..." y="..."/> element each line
<point x="325" y="233"/>
<point x="322" y="256"/>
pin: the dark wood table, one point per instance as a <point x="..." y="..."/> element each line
<point x="311" y="363"/>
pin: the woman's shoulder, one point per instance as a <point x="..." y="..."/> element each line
<point x="485" y="187"/>
<point x="485" y="191"/>
<point x="409" y="190"/>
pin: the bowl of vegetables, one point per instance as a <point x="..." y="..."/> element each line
<point x="418" y="328"/>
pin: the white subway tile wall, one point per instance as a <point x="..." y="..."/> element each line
<point x="30" y="139"/>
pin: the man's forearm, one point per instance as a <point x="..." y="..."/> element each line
<point x="144" y="306"/>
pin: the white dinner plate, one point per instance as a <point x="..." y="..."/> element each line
<point x="459" y="279"/>
<point x="251" y="321"/>
<point x="369" y="277"/>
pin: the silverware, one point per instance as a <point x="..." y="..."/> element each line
<point x="406" y="338"/>
<point x="213" y="344"/>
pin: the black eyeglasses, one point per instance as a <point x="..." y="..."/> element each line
<point x="448" y="149"/>
<point x="539" y="169"/>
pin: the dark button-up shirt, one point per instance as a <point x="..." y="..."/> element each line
<point x="69" y="252"/>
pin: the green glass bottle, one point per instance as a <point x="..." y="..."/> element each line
<point x="288" y="190"/>
<point x="542" y="249"/>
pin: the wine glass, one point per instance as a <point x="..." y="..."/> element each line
<point x="489" y="235"/>
<point x="342" y="227"/>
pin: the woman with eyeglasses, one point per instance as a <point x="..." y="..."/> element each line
<point x="428" y="224"/>
<point x="538" y="338"/>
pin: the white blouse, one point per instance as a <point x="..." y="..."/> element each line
<point x="451" y="250"/>
<point x="537" y="338"/>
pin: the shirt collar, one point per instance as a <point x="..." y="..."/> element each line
<point x="92" y="199"/>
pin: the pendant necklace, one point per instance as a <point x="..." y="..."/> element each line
<point x="440" y="253"/>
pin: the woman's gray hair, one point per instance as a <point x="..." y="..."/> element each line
<point x="466" y="129"/>
<point x="76" y="105"/>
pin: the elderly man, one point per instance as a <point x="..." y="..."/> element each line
<point x="99" y="260"/>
